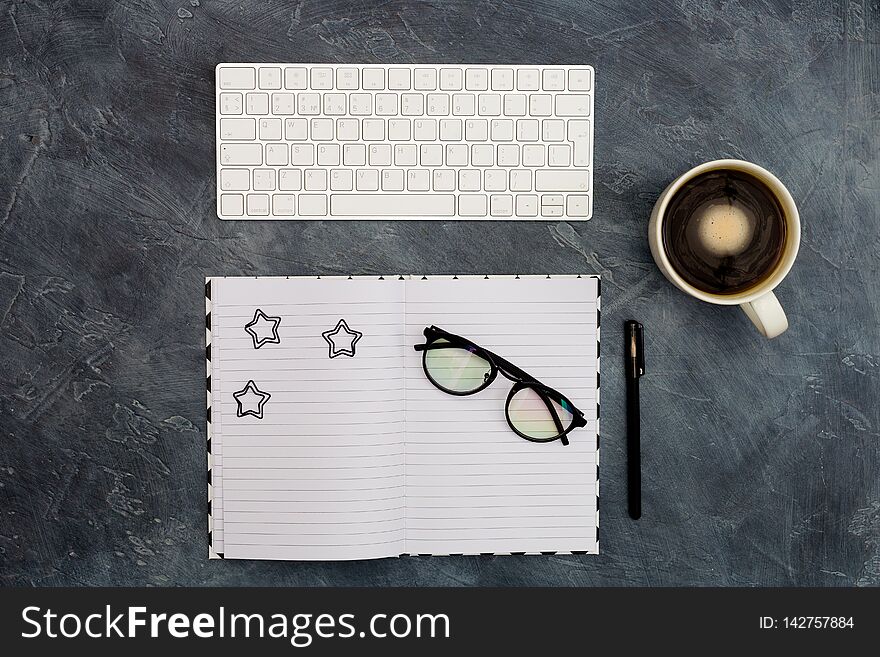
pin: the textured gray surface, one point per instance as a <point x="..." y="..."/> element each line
<point x="761" y="457"/>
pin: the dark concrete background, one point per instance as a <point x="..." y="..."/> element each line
<point x="760" y="457"/>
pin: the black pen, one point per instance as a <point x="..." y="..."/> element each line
<point x="634" y="351"/>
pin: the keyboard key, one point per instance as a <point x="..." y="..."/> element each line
<point x="312" y="205"/>
<point x="334" y="104"/>
<point x="230" y="103"/>
<point x="559" y="155"/>
<point x="578" y="206"/>
<point x="514" y="104"/>
<point x="469" y="180"/>
<point x="501" y="205"/>
<point x="296" y="129"/>
<point x="476" y="79"/>
<point x="539" y="105"/>
<point x="450" y="130"/>
<point x="373" y="78"/>
<point x="277" y="154"/>
<point x="572" y="105"/>
<point x="354" y="155"/>
<point x="561" y="181"/>
<point x="418" y="180"/>
<point x="392" y="180"/>
<point x="526" y="205"/>
<point x="472" y="205"/>
<point x="502" y="79"/>
<point x="258" y="205"/>
<point x="296" y="78"/>
<point x="236" y="180"/>
<point x="502" y="130"/>
<point x="553" y="79"/>
<point x="495" y="180"/>
<point x="283" y="103"/>
<point x="489" y="104"/>
<point x="373" y="129"/>
<point x="402" y="205"/>
<point x="451" y="79"/>
<point x="341" y="180"/>
<point x="431" y="155"/>
<point x="270" y="129"/>
<point x="406" y="155"/>
<point x="399" y="78"/>
<point x="348" y="129"/>
<point x="438" y="104"/>
<point x="457" y="155"/>
<point x="425" y="130"/>
<point x="283" y="205"/>
<point x="322" y="129"/>
<point x="527" y="129"/>
<point x="508" y="155"/>
<point x="347" y="78"/>
<point x="520" y="180"/>
<point x="553" y="129"/>
<point x="257" y="103"/>
<point x="302" y="155"/>
<point x="399" y="129"/>
<point x="380" y="155"/>
<point x="232" y="204"/>
<point x="528" y="79"/>
<point x="241" y="154"/>
<point x="264" y="180"/>
<point x="482" y="155"/>
<point x="476" y="130"/>
<point x="290" y="180"/>
<point x="533" y="155"/>
<point x="579" y="79"/>
<point x="386" y="104"/>
<point x="238" y="129"/>
<point x="322" y="78"/>
<point x="367" y="180"/>
<point x="425" y="79"/>
<point x="237" y="77"/>
<point x="412" y="104"/>
<point x="309" y="104"/>
<point x="444" y="180"/>
<point x="329" y="155"/>
<point x="360" y="104"/>
<point x="464" y="104"/>
<point x="270" y="77"/>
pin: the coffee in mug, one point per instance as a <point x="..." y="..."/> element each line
<point x="724" y="231"/>
<point x="727" y="232"/>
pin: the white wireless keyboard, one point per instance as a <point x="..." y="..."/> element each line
<point x="324" y="141"/>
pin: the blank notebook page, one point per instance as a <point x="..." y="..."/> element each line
<point x="472" y="485"/>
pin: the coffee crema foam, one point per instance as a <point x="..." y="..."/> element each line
<point x="724" y="232"/>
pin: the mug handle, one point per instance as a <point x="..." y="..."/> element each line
<point x="767" y="315"/>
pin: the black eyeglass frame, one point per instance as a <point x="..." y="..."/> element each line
<point x="520" y="378"/>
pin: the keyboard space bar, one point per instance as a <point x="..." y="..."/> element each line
<point x="392" y="205"/>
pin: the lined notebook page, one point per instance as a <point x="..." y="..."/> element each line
<point x="472" y="485"/>
<point x="321" y="474"/>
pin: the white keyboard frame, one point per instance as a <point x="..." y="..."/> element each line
<point x="329" y="217"/>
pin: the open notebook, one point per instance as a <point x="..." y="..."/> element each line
<point x="327" y="441"/>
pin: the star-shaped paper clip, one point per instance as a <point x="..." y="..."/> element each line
<point x="263" y="329"/>
<point x="342" y="340"/>
<point x="251" y="400"/>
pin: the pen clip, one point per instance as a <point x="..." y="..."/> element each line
<point x="635" y="344"/>
<point x="640" y="350"/>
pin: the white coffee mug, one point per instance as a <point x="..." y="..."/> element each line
<point x="758" y="302"/>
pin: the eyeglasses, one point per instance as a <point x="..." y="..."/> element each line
<point x="533" y="410"/>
